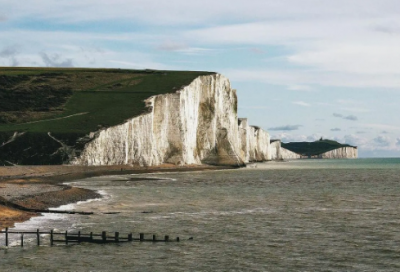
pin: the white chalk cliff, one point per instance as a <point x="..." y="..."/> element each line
<point x="339" y="153"/>
<point x="195" y="125"/>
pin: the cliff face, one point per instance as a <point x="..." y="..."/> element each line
<point x="288" y="155"/>
<point x="195" y="125"/>
<point x="341" y="153"/>
<point x="254" y="143"/>
<point x="276" y="150"/>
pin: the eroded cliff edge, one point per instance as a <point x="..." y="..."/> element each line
<point x="195" y="125"/>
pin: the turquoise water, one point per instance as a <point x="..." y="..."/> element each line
<point x="309" y="215"/>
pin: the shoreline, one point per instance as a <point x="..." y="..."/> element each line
<point x="26" y="188"/>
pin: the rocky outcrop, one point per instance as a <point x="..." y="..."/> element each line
<point x="254" y="143"/>
<point x="341" y="153"/>
<point x="244" y="143"/>
<point x="195" y="125"/>
<point x="259" y="145"/>
<point x="276" y="150"/>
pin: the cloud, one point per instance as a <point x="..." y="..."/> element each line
<point x="354" y="140"/>
<point x="3" y="18"/>
<point x="338" y="115"/>
<point x="349" y="117"/>
<point x="302" y="88"/>
<point x="301" y="103"/>
<point x="382" y="141"/>
<point x="55" y="60"/>
<point x="360" y="132"/>
<point x="336" y="129"/>
<point x="313" y="76"/>
<point x="398" y="142"/>
<point x="8" y="51"/>
<point x="314" y="137"/>
<point x="286" y="128"/>
<point x="287" y="137"/>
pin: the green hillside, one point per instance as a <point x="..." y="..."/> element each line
<point x="310" y="149"/>
<point x="70" y="103"/>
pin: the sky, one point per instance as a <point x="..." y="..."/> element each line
<point x="303" y="69"/>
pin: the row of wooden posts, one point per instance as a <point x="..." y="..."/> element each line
<point x="79" y="237"/>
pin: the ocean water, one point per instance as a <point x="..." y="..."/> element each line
<point x="308" y="215"/>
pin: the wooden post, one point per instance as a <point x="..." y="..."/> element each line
<point x="141" y="236"/>
<point x="154" y="238"/>
<point x="130" y="237"/>
<point x="104" y="236"/>
<point x="177" y="239"/>
<point x="79" y="237"/>
<point x="6" y="236"/>
<point x="66" y="237"/>
<point x="116" y="237"/>
<point x="38" y="237"/>
<point x="166" y="238"/>
<point x="22" y="240"/>
<point x="91" y="236"/>
<point x="51" y="238"/>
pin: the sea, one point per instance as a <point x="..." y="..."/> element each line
<point x="304" y="215"/>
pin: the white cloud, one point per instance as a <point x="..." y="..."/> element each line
<point x="306" y="76"/>
<point x="301" y="103"/>
<point x="287" y="137"/>
<point x="285" y="128"/>
<point x="382" y="140"/>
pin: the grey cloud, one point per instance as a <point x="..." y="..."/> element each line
<point x="360" y="132"/>
<point x="54" y="61"/>
<point x="286" y="128"/>
<point x="398" y="141"/>
<point x="349" y="117"/>
<point x="351" y="140"/>
<point x="313" y="138"/>
<point x="382" y="141"/>
<point x="385" y="132"/>
<point x="338" y="115"/>
<point x="391" y="28"/>
<point x="336" y="129"/>
<point x="3" y="18"/>
<point x="8" y="51"/>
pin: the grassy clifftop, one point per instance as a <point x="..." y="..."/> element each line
<point x="313" y="148"/>
<point x="69" y="103"/>
<point x="79" y="100"/>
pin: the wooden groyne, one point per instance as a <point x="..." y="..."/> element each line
<point x="70" y="238"/>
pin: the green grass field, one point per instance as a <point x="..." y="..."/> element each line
<point x="97" y="98"/>
<point x="70" y="103"/>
